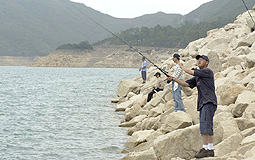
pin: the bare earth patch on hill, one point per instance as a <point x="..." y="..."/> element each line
<point x="104" y="56"/>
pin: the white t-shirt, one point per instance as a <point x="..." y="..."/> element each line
<point x="144" y="64"/>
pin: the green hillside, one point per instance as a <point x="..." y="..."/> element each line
<point x="37" y="27"/>
<point x="31" y="27"/>
<point x="219" y="10"/>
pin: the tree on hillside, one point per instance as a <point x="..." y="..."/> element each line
<point x="165" y="36"/>
<point x="81" y="46"/>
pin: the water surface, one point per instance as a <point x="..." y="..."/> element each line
<point x="60" y="113"/>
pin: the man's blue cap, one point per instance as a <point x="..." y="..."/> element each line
<point x="202" y="56"/>
<point x="143" y="57"/>
<point x="176" y="55"/>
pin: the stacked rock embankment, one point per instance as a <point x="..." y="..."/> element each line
<point x="157" y="132"/>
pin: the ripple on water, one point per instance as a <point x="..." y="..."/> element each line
<point x="60" y="113"/>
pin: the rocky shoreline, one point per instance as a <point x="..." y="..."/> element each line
<point x="157" y="132"/>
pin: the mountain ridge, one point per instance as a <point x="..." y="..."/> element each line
<point x="36" y="28"/>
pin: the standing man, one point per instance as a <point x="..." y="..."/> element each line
<point x="206" y="103"/>
<point x="177" y="88"/>
<point x="143" y="69"/>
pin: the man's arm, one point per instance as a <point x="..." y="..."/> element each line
<point x="189" y="71"/>
<point x="181" y="82"/>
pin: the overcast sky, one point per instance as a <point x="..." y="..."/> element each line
<point x="135" y="8"/>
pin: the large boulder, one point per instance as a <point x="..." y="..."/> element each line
<point x="193" y="46"/>
<point x="141" y="101"/>
<point x="250" y="153"/>
<point x="244" y="123"/>
<point x="218" y="75"/>
<point x="190" y="105"/>
<point x="245" y="97"/>
<point x="250" y="23"/>
<point x="230" y="127"/>
<point x="249" y="111"/>
<point x="220" y="82"/>
<point x="135" y="128"/>
<point x="127" y="86"/>
<point x="248" y="132"/>
<point x="150" y="123"/>
<point x="168" y="106"/>
<point x="128" y="104"/>
<point x="245" y="50"/>
<point x="218" y="133"/>
<point x="222" y="116"/>
<point x="158" y="98"/>
<point x="123" y="106"/>
<point x="228" y="70"/>
<point x="227" y="146"/>
<point x="233" y="61"/>
<point x="247" y="143"/>
<point x="230" y="95"/>
<point x="250" y="60"/>
<point x="138" y="138"/>
<point x="238" y="109"/>
<point x="253" y="48"/>
<point x="231" y="26"/>
<point x="235" y="72"/>
<point x="130" y="113"/>
<point x="215" y="63"/>
<point x="133" y="121"/>
<point x="147" y="154"/>
<point x="249" y="77"/>
<point x="176" y="120"/>
<point x="230" y="82"/>
<point x="149" y="142"/>
<point x="247" y="40"/>
<point x="183" y="143"/>
<point x="157" y="110"/>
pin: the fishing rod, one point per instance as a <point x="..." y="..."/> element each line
<point x="122" y="40"/>
<point x="248" y="11"/>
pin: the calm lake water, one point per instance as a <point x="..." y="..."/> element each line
<point x="60" y="113"/>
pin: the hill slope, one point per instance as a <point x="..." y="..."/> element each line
<point x="218" y="10"/>
<point x="31" y="28"/>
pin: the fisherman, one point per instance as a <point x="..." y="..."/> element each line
<point x="159" y="86"/>
<point x="177" y="88"/>
<point x="143" y="69"/>
<point x="206" y="103"/>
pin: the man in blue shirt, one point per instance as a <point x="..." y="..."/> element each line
<point x="143" y="69"/>
<point x="206" y="103"/>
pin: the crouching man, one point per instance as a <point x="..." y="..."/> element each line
<point x="159" y="86"/>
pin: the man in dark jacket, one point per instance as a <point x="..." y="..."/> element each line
<point x="206" y="103"/>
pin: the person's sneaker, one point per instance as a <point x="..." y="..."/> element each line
<point x="202" y="153"/>
<point x="211" y="153"/>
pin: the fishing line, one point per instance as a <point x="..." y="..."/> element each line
<point x="136" y="50"/>
<point x="195" y="21"/>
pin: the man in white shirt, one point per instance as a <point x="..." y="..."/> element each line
<point x="177" y="88"/>
<point x="143" y="69"/>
